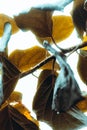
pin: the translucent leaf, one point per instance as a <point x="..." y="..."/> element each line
<point x="62" y="27"/>
<point x="82" y="105"/>
<point x="26" y="59"/>
<point x="15" y="97"/>
<point x="37" y="21"/>
<point x="3" y="19"/>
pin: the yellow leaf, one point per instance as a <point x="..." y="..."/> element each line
<point x="62" y="27"/>
<point x="84" y="40"/>
<point x="23" y="110"/>
<point x="26" y="59"/>
<point x="3" y="19"/>
<point x="82" y="105"/>
<point x="15" y="97"/>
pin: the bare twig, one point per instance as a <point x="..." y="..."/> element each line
<point x="37" y="66"/>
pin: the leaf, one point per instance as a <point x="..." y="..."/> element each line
<point x="82" y="66"/>
<point x="23" y="110"/>
<point x="15" y="97"/>
<point x="62" y="27"/>
<point x="26" y="59"/>
<point x="10" y="77"/>
<point x="42" y="106"/>
<point x="3" y="19"/>
<point x="21" y="120"/>
<point x="82" y="105"/>
<point x="37" y="21"/>
<point x="14" y="120"/>
<point x="44" y="25"/>
<point x="43" y="97"/>
<point x="66" y="91"/>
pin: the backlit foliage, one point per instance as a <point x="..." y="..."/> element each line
<point x="58" y="100"/>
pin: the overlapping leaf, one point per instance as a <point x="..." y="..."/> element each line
<point x="16" y="117"/>
<point x="44" y="25"/>
<point x="70" y="120"/>
<point x="3" y="19"/>
<point x="12" y="119"/>
<point x="26" y="59"/>
<point x="36" y="20"/>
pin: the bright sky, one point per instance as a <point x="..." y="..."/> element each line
<point x="23" y="40"/>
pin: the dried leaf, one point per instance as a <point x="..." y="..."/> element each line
<point x="62" y="27"/>
<point x="3" y="19"/>
<point x="26" y="59"/>
<point x="37" y="21"/>
<point x="42" y="106"/>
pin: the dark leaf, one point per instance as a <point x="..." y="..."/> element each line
<point x="11" y="119"/>
<point x="21" y="120"/>
<point x="5" y="122"/>
<point x="66" y="90"/>
<point x="37" y="21"/>
<point x="71" y="120"/>
<point x="43" y="97"/>
<point x="10" y="77"/>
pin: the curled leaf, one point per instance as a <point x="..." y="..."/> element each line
<point x="27" y="59"/>
<point x="66" y="90"/>
<point x="42" y="106"/>
<point x="3" y="19"/>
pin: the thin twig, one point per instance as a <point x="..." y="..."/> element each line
<point x="37" y="66"/>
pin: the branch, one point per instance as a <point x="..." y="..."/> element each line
<point x="37" y="66"/>
<point x="56" y="5"/>
<point x="6" y="36"/>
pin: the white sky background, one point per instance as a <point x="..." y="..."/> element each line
<point x="23" y="40"/>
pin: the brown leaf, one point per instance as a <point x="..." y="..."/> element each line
<point x="26" y="59"/>
<point x="42" y="102"/>
<point x="36" y="20"/>
<point x="43" y="97"/>
<point x="82" y="66"/>
<point x="10" y="77"/>
<point x="11" y="119"/>
<point x="23" y="110"/>
<point x="3" y="19"/>
<point x="21" y="120"/>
